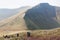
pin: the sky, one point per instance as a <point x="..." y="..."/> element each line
<point x="11" y="4"/>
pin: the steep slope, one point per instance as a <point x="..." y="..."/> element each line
<point x="42" y="16"/>
<point x="14" y="23"/>
<point x="5" y="13"/>
<point x="58" y="14"/>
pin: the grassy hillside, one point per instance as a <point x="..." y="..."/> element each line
<point x="13" y="23"/>
<point x="5" y="13"/>
<point x="53" y="34"/>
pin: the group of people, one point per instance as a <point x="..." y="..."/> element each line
<point x="7" y="36"/>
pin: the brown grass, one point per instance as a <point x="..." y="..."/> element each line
<point x="53" y="34"/>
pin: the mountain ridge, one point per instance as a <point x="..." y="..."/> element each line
<point x="14" y="22"/>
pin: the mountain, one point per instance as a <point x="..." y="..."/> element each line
<point x="5" y="13"/>
<point x="14" y="22"/>
<point x="43" y="16"/>
<point x="31" y="20"/>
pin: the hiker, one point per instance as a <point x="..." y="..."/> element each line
<point x="28" y="35"/>
<point x="17" y="35"/>
<point x="6" y="36"/>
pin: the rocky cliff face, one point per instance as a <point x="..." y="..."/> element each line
<point x="42" y="16"/>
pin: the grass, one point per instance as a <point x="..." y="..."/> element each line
<point x="44" y="34"/>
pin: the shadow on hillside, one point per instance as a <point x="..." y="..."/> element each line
<point x="42" y="16"/>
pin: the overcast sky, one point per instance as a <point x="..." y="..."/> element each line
<point x="19" y="3"/>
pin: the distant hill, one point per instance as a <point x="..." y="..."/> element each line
<point x="15" y="22"/>
<point x="5" y="13"/>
